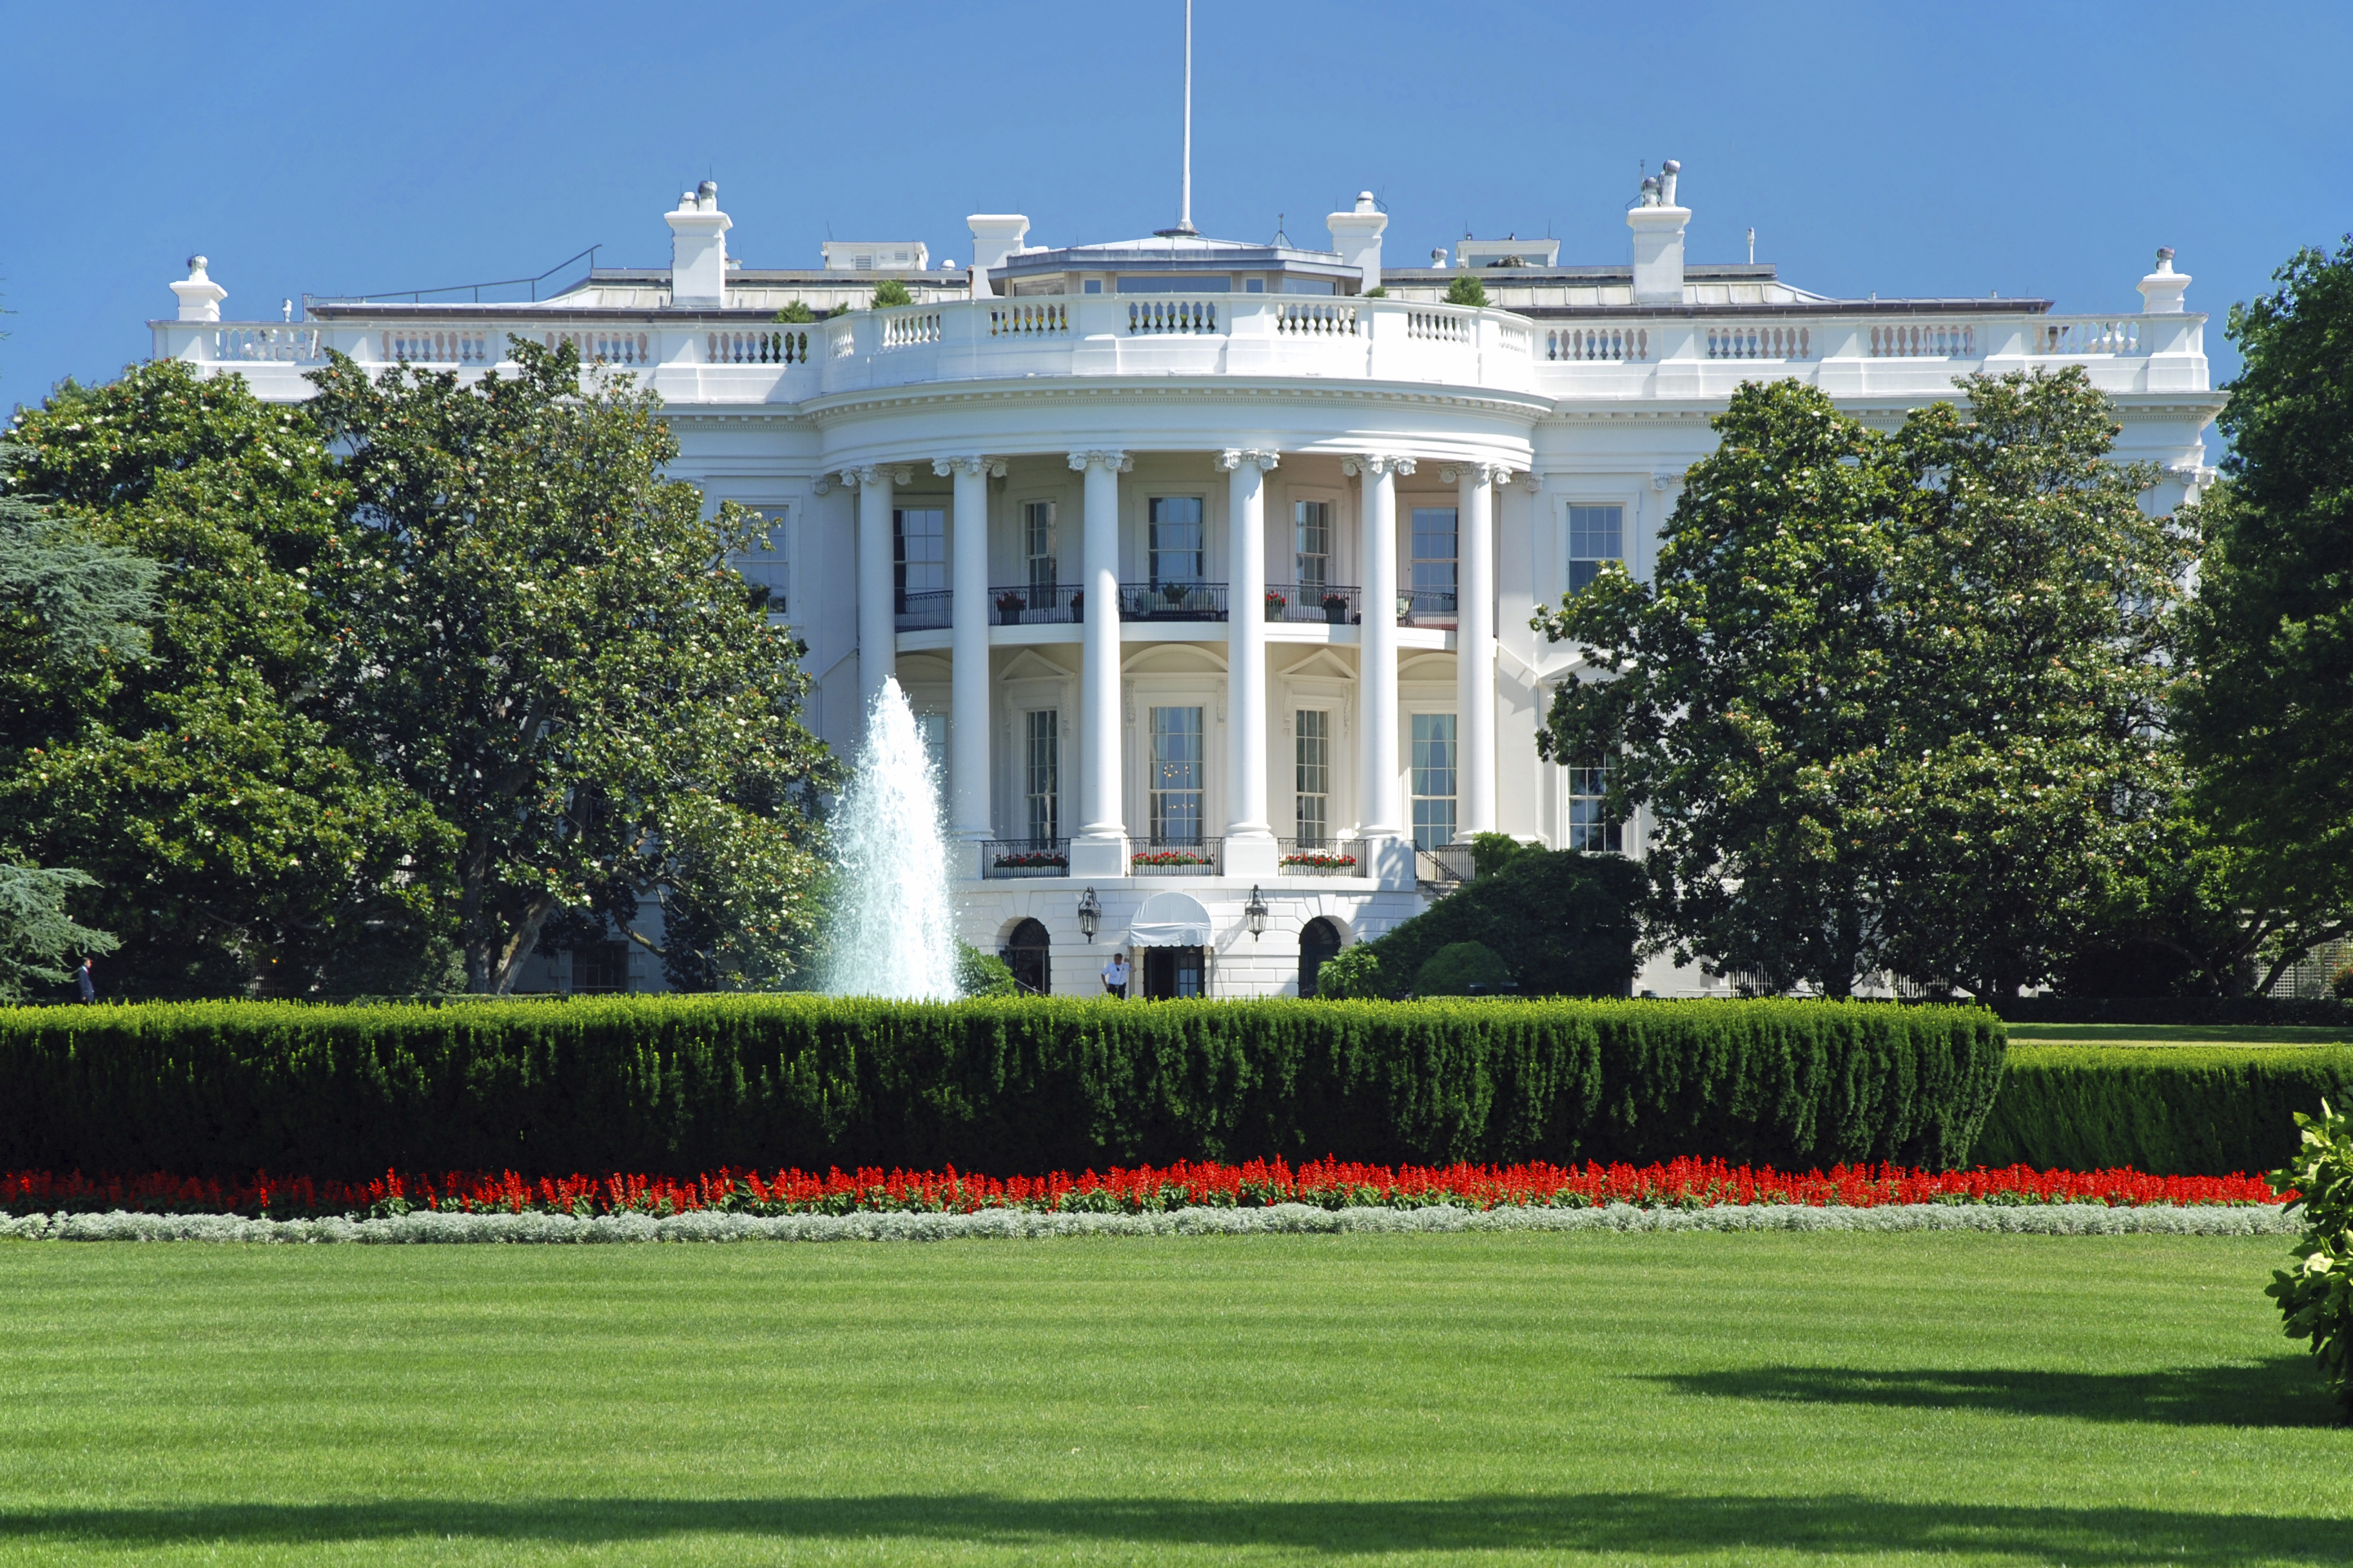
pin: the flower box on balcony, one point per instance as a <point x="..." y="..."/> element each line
<point x="1035" y="860"/>
<point x="1275" y="605"/>
<point x="1319" y="860"/>
<point x="1011" y="603"/>
<point x="1172" y="857"/>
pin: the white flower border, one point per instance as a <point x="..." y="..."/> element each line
<point x="1297" y="1219"/>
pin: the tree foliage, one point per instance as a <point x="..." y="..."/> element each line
<point x="1892" y="700"/>
<point x="541" y="637"/>
<point x="2267" y="717"/>
<point x="1466" y="290"/>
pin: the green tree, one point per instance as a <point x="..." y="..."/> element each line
<point x="1465" y="289"/>
<point x="236" y="846"/>
<point x="1746" y="694"/>
<point x="2266" y="715"/>
<point x="38" y="938"/>
<point x="795" y="313"/>
<point x="544" y="642"/>
<point x="890" y="291"/>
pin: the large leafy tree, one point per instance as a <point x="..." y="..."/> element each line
<point x="1746" y="695"/>
<point x="2267" y="717"/>
<point x="237" y="848"/>
<point x="542" y="640"/>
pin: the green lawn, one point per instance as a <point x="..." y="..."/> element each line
<point x="1685" y="1399"/>
<point x="2177" y="1035"/>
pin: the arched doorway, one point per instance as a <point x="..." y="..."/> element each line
<point x="1171" y="935"/>
<point x="1319" y="941"/>
<point x="1025" y="954"/>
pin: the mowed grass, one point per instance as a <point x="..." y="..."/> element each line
<point x="2179" y="1034"/>
<point x="1683" y="1399"/>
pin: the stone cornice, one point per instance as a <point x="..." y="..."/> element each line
<point x="1522" y="407"/>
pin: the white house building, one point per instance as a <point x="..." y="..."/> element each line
<point x="1209" y="564"/>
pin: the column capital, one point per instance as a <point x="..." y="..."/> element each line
<point x="969" y="463"/>
<point x="1373" y="465"/>
<point x="1494" y="474"/>
<point x="1233" y="458"/>
<point x="1117" y="462"/>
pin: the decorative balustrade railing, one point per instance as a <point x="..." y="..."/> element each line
<point x="1321" y="319"/>
<point x="789" y="347"/>
<point x="1174" y="858"/>
<point x="1440" y="326"/>
<point x="1172" y="316"/>
<point x="1582" y="345"/>
<point x="905" y="328"/>
<point x="1316" y="858"/>
<point x="282" y="346"/>
<point x="1761" y="341"/>
<point x="425" y="346"/>
<point x="1923" y="340"/>
<point x="1004" y="857"/>
<point x="2084" y="335"/>
<point x="597" y="347"/>
<point x="1333" y="603"/>
<point x="1172" y="601"/>
<point x="926" y="611"/>
<point x="1033" y="605"/>
<point x="1021" y="319"/>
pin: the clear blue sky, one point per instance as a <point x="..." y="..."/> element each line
<point x="2042" y="149"/>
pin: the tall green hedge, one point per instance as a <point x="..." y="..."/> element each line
<point x="2186" y="1111"/>
<point x="1002" y="1086"/>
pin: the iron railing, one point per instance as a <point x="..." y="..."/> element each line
<point x="1003" y="857"/>
<point x="1426" y="606"/>
<point x="1444" y="868"/>
<point x="1333" y="603"/>
<point x="926" y="611"/>
<point x="1174" y="857"/>
<point x="1172" y="601"/>
<point x="1033" y="605"/>
<point x="1317" y="857"/>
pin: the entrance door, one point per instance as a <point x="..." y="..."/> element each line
<point x="1172" y="972"/>
<point x="1028" y="954"/>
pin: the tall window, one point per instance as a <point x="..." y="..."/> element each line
<point x="1311" y="745"/>
<point x="1310" y="535"/>
<point x="1433" y="780"/>
<point x="1596" y="534"/>
<point x="1176" y="543"/>
<point x="1433" y="558"/>
<point x="919" y="550"/>
<point x="1044" y="770"/>
<point x="765" y="568"/>
<point x="1176" y="776"/>
<point x="1037" y="543"/>
<point x="1588" y="829"/>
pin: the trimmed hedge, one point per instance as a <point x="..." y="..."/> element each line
<point x="2175" y="1111"/>
<point x="684" y="1084"/>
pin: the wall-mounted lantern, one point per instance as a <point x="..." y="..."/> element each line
<point x="1254" y="912"/>
<point x="1089" y="915"/>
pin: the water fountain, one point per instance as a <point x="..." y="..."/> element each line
<point x="894" y="930"/>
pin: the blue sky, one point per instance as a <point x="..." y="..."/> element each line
<point x="2040" y="149"/>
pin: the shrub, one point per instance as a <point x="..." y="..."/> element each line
<point x="1491" y="852"/>
<point x="2205" y="1110"/>
<point x="2340" y="984"/>
<point x="1466" y="290"/>
<point x="1564" y="924"/>
<point x="982" y="973"/>
<point x="795" y="314"/>
<point x="681" y="1084"/>
<point x="1353" y="974"/>
<point x="2315" y="1297"/>
<point x="890" y="292"/>
<point x="1464" y="969"/>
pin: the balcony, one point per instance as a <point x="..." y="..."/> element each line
<point x="1174" y="857"/>
<point x="1426" y="607"/>
<point x="1316" y="858"/>
<point x="1016" y="857"/>
<point x="926" y="611"/>
<point x="1330" y="603"/>
<point x="1034" y="604"/>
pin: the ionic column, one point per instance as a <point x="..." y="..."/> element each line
<point x="1100" y="846"/>
<point x="1474" y="646"/>
<point x="968" y="718"/>
<point x="878" y="620"/>
<point x="1380" y="812"/>
<point x="1250" y="840"/>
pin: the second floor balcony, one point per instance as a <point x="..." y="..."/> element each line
<point x="1063" y="603"/>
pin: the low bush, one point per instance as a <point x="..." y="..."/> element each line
<point x="1464" y="969"/>
<point x="684" y="1084"/>
<point x="2205" y="1110"/>
<point x="2315" y="1297"/>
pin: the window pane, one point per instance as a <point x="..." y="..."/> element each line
<point x="1596" y="534"/>
<point x="769" y="569"/>
<point x="1433" y="551"/>
<point x="918" y="550"/>
<point x="1311" y="530"/>
<point x="1045" y="774"/>
<point x="1588" y="829"/>
<point x="1312" y="753"/>
<point x="1433" y="780"/>
<point x="1176" y="775"/>
<point x="1038" y="542"/>
<point x="1176" y="539"/>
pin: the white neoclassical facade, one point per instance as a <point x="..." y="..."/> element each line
<point x="1210" y="565"/>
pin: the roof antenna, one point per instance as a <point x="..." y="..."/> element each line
<point x="1183" y="228"/>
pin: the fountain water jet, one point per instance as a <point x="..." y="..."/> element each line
<point x="894" y="930"/>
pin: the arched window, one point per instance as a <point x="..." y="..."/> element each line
<point x="1025" y="954"/>
<point x="1319" y="939"/>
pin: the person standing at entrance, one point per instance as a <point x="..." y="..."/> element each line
<point x="1114" y="975"/>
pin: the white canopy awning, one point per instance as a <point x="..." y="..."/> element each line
<point x="1170" y="920"/>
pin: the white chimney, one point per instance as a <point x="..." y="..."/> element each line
<point x="698" y="249"/>
<point x="1658" y="224"/>
<point x="2162" y="290"/>
<point x="200" y="297"/>
<point x="1356" y="236"/>
<point x="994" y="236"/>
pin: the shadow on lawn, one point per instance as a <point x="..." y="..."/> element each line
<point x="2280" y="1391"/>
<point x="1609" y="1524"/>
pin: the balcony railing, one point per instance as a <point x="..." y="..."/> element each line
<point x="1331" y="603"/>
<point x="1172" y="601"/>
<point x="1426" y="606"/>
<point x="1317" y="857"/>
<point x="1034" y="605"/>
<point x="926" y="611"/>
<point x="1444" y="868"/>
<point x="1189" y="858"/>
<point x="1003" y="857"/>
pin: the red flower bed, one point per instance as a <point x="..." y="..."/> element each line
<point x="1326" y="1183"/>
